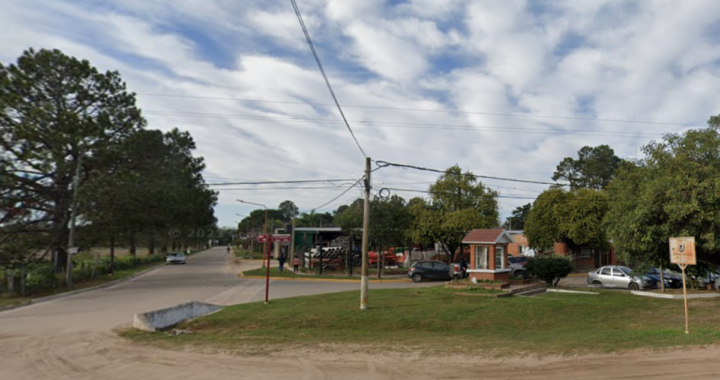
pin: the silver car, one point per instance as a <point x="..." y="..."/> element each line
<point x="616" y="276"/>
<point x="175" y="258"/>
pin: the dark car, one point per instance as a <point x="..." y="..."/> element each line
<point x="429" y="270"/>
<point x="671" y="281"/>
<point x="520" y="260"/>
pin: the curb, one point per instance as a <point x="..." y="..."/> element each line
<point x="318" y="279"/>
<point x="674" y="296"/>
<point x="79" y="291"/>
<point x="577" y="275"/>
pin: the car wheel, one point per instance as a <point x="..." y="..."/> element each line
<point x="633" y="286"/>
<point x="417" y="277"/>
<point x="596" y="282"/>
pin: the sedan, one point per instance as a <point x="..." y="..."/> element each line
<point x="175" y="258"/>
<point x="616" y="276"/>
<point x="520" y="260"/>
<point x="430" y="270"/>
<point x="671" y="281"/>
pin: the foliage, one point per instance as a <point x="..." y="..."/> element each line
<point x="550" y="269"/>
<point x="313" y="219"/>
<point x="288" y="209"/>
<point x="593" y="169"/>
<point x="518" y="218"/>
<point x="460" y="203"/>
<point x="571" y="217"/>
<point x="673" y="191"/>
<point x="389" y="220"/>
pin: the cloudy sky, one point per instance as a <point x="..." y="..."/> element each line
<point x="502" y="88"/>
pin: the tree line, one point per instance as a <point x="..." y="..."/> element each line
<point x="72" y="139"/>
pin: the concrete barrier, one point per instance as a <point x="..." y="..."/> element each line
<point x="164" y="318"/>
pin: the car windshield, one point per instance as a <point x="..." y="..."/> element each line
<point x="653" y="271"/>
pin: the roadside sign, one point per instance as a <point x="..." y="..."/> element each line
<point x="73" y="250"/>
<point x="263" y="238"/>
<point x="682" y="253"/>
<point x="682" y="250"/>
<point x="281" y="238"/>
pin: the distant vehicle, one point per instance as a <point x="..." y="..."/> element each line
<point x="429" y="270"/>
<point x="671" y="281"/>
<point x="390" y="258"/>
<point x="616" y="276"/>
<point x="175" y="258"/>
<point x="521" y="260"/>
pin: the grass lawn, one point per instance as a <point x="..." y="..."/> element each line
<point x="435" y="321"/>
<point x="6" y="300"/>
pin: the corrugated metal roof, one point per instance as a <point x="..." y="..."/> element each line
<point x="486" y="236"/>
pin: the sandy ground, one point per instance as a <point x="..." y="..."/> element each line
<point x="72" y="338"/>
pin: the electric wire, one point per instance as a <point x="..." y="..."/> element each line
<point x="322" y="71"/>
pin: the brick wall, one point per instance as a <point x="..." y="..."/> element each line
<point x="504" y="277"/>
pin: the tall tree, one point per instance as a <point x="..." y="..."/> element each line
<point x="593" y="169"/>
<point x="673" y="191"/>
<point x="288" y="210"/>
<point x="517" y="220"/>
<point x="571" y="217"/>
<point x="459" y="203"/>
<point x="55" y="109"/>
<point x="389" y="220"/>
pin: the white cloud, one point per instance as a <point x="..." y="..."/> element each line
<point x="648" y="61"/>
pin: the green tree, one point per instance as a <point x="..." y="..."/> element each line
<point x="460" y="203"/>
<point x="288" y="210"/>
<point x="673" y="191"/>
<point x="389" y="220"/>
<point x="549" y="269"/>
<point x="593" y="169"/>
<point x="53" y="110"/>
<point x="350" y="220"/>
<point x="571" y="217"/>
<point x="518" y="218"/>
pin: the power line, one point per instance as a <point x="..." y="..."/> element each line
<point x="278" y="182"/>
<point x="280" y="188"/>
<point x="341" y="194"/>
<point x="413" y="125"/>
<point x="384" y="164"/>
<point x="322" y="71"/>
<point x="530" y="116"/>
<point x="429" y="192"/>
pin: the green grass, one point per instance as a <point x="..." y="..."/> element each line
<point x="6" y="300"/>
<point x="435" y="321"/>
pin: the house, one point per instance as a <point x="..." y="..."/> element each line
<point x="488" y="254"/>
<point x="585" y="258"/>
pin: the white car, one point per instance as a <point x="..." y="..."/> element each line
<point x="175" y="258"/>
<point x="617" y="276"/>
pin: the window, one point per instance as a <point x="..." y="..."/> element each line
<point x="499" y="262"/>
<point x="481" y="257"/>
<point x="618" y="272"/>
<point x="605" y="271"/>
<point x="585" y="253"/>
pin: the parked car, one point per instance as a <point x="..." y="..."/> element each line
<point x="616" y="276"/>
<point x="429" y="270"/>
<point x="175" y="258"/>
<point x="520" y="260"/>
<point x="671" y="281"/>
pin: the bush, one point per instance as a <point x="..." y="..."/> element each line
<point x="550" y="269"/>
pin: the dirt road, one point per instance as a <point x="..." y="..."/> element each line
<point x="72" y="338"/>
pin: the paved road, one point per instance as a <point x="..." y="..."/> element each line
<point x="72" y="338"/>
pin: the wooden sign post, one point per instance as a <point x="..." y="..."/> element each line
<point x="682" y="253"/>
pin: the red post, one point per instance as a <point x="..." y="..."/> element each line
<point x="267" y="271"/>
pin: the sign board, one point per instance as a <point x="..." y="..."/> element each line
<point x="73" y="250"/>
<point x="281" y="238"/>
<point x="263" y="238"/>
<point x="682" y="250"/>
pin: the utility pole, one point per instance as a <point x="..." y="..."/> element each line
<point x="73" y="214"/>
<point x="365" y="240"/>
<point x="292" y="237"/>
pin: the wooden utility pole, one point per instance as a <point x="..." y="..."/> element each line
<point x="365" y="240"/>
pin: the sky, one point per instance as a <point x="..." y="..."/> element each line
<point x="501" y="88"/>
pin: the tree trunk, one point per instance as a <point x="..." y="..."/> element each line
<point x="10" y="274"/>
<point x="23" y="278"/>
<point x="380" y="257"/>
<point x="151" y="244"/>
<point x="111" y="264"/>
<point x="662" y="278"/>
<point x="133" y="245"/>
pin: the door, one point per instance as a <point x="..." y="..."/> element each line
<point x="605" y="276"/>
<point x="442" y="271"/>
<point x="620" y="279"/>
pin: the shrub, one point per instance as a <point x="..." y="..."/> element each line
<point x="550" y="269"/>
